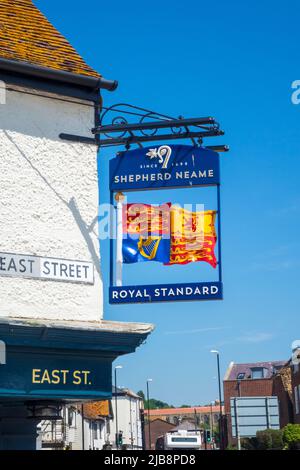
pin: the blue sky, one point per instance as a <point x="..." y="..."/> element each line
<point x="235" y="61"/>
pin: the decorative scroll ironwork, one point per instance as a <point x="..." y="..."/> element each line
<point x="147" y="126"/>
<point x="125" y="124"/>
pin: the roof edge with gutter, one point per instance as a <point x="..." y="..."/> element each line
<point x="105" y="336"/>
<point x="58" y="81"/>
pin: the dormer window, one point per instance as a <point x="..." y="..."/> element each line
<point x="257" y="373"/>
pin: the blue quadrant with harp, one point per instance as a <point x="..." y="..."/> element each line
<point x="146" y="233"/>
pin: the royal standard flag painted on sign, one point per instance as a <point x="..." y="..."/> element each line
<point x="146" y="233"/>
<point x="168" y="234"/>
<point x="193" y="236"/>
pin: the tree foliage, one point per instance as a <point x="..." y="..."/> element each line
<point x="291" y="436"/>
<point x="141" y="394"/>
<point x="265" y="440"/>
<point x="155" y="404"/>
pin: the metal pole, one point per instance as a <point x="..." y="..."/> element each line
<point x="267" y="413"/>
<point x="237" y="425"/>
<point x="116" y="407"/>
<point x="149" y="425"/>
<point x="111" y="241"/>
<point x="131" y="428"/>
<point x="211" y="424"/>
<point x="82" y="421"/>
<point x="119" y="256"/>
<point x="220" y="399"/>
<point x="142" y="417"/>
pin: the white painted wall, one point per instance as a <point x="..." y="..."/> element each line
<point x="94" y="434"/>
<point x="48" y="204"/>
<point x="129" y="421"/>
<point x="70" y="433"/>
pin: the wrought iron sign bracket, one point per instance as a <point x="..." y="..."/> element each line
<point x="149" y="126"/>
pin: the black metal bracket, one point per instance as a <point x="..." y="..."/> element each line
<point x="148" y="126"/>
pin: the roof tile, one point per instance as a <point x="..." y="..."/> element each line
<point x="183" y="411"/>
<point x="96" y="410"/>
<point x="27" y="36"/>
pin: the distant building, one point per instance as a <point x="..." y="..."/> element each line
<point x="92" y="426"/>
<point x="282" y="389"/>
<point x="255" y="380"/>
<point x="200" y="415"/>
<point x="75" y="432"/>
<point x="295" y="372"/>
<point x="158" y="428"/>
<point x="129" y="407"/>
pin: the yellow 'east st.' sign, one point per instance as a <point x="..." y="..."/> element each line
<point x="61" y="377"/>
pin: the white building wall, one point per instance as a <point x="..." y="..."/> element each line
<point x="93" y="440"/>
<point x="48" y="203"/>
<point x="129" y="421"/>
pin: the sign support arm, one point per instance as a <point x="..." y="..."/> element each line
<point x="119" y="257"/>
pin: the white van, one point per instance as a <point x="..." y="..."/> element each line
<point x="183" y="439"/>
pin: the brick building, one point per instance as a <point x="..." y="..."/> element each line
<point x="253" y="380"/>
<point x="282" y="389"/>
<point x="158" y="428"/>
<point x="295" y="373"/>
<point x="197" y="414"/>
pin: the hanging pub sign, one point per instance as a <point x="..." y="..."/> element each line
<point x="163" y="167"/>
<point x="167" y="233"/>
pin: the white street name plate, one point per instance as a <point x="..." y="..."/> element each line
<point x="38" y="267"/>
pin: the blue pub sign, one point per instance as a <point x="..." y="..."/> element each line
<point x="166" y="166"/>
<point x="44" y="374"/>
<point x="155" y="168"/>
<point x="58" y="363"/>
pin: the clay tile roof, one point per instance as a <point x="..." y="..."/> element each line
<point x="183" y="411"/>
<point x="96" y="410"/>
<point x="27" y="36"/>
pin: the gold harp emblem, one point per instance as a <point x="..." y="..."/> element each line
<point x="148" y="246"/>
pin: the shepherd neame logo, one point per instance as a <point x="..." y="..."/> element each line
<point x="37" y="267"/>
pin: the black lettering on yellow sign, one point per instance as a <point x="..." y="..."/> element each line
<point x="61" y="377"/>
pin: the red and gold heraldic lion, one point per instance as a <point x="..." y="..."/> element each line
<point x="193" y="236"/>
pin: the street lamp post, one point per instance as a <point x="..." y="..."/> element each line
<point x="211" y="422"/>
<point x="116" y="406"/>
<point x="149" y="421"/>
<point x="220" y="399"/>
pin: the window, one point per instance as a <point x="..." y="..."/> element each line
<point x="241" y="376"/>
<point x="257" y="373"/>
<point x="184" y="439"/>
<point x="94" y="430"/>
<point x="71" y="418"/>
